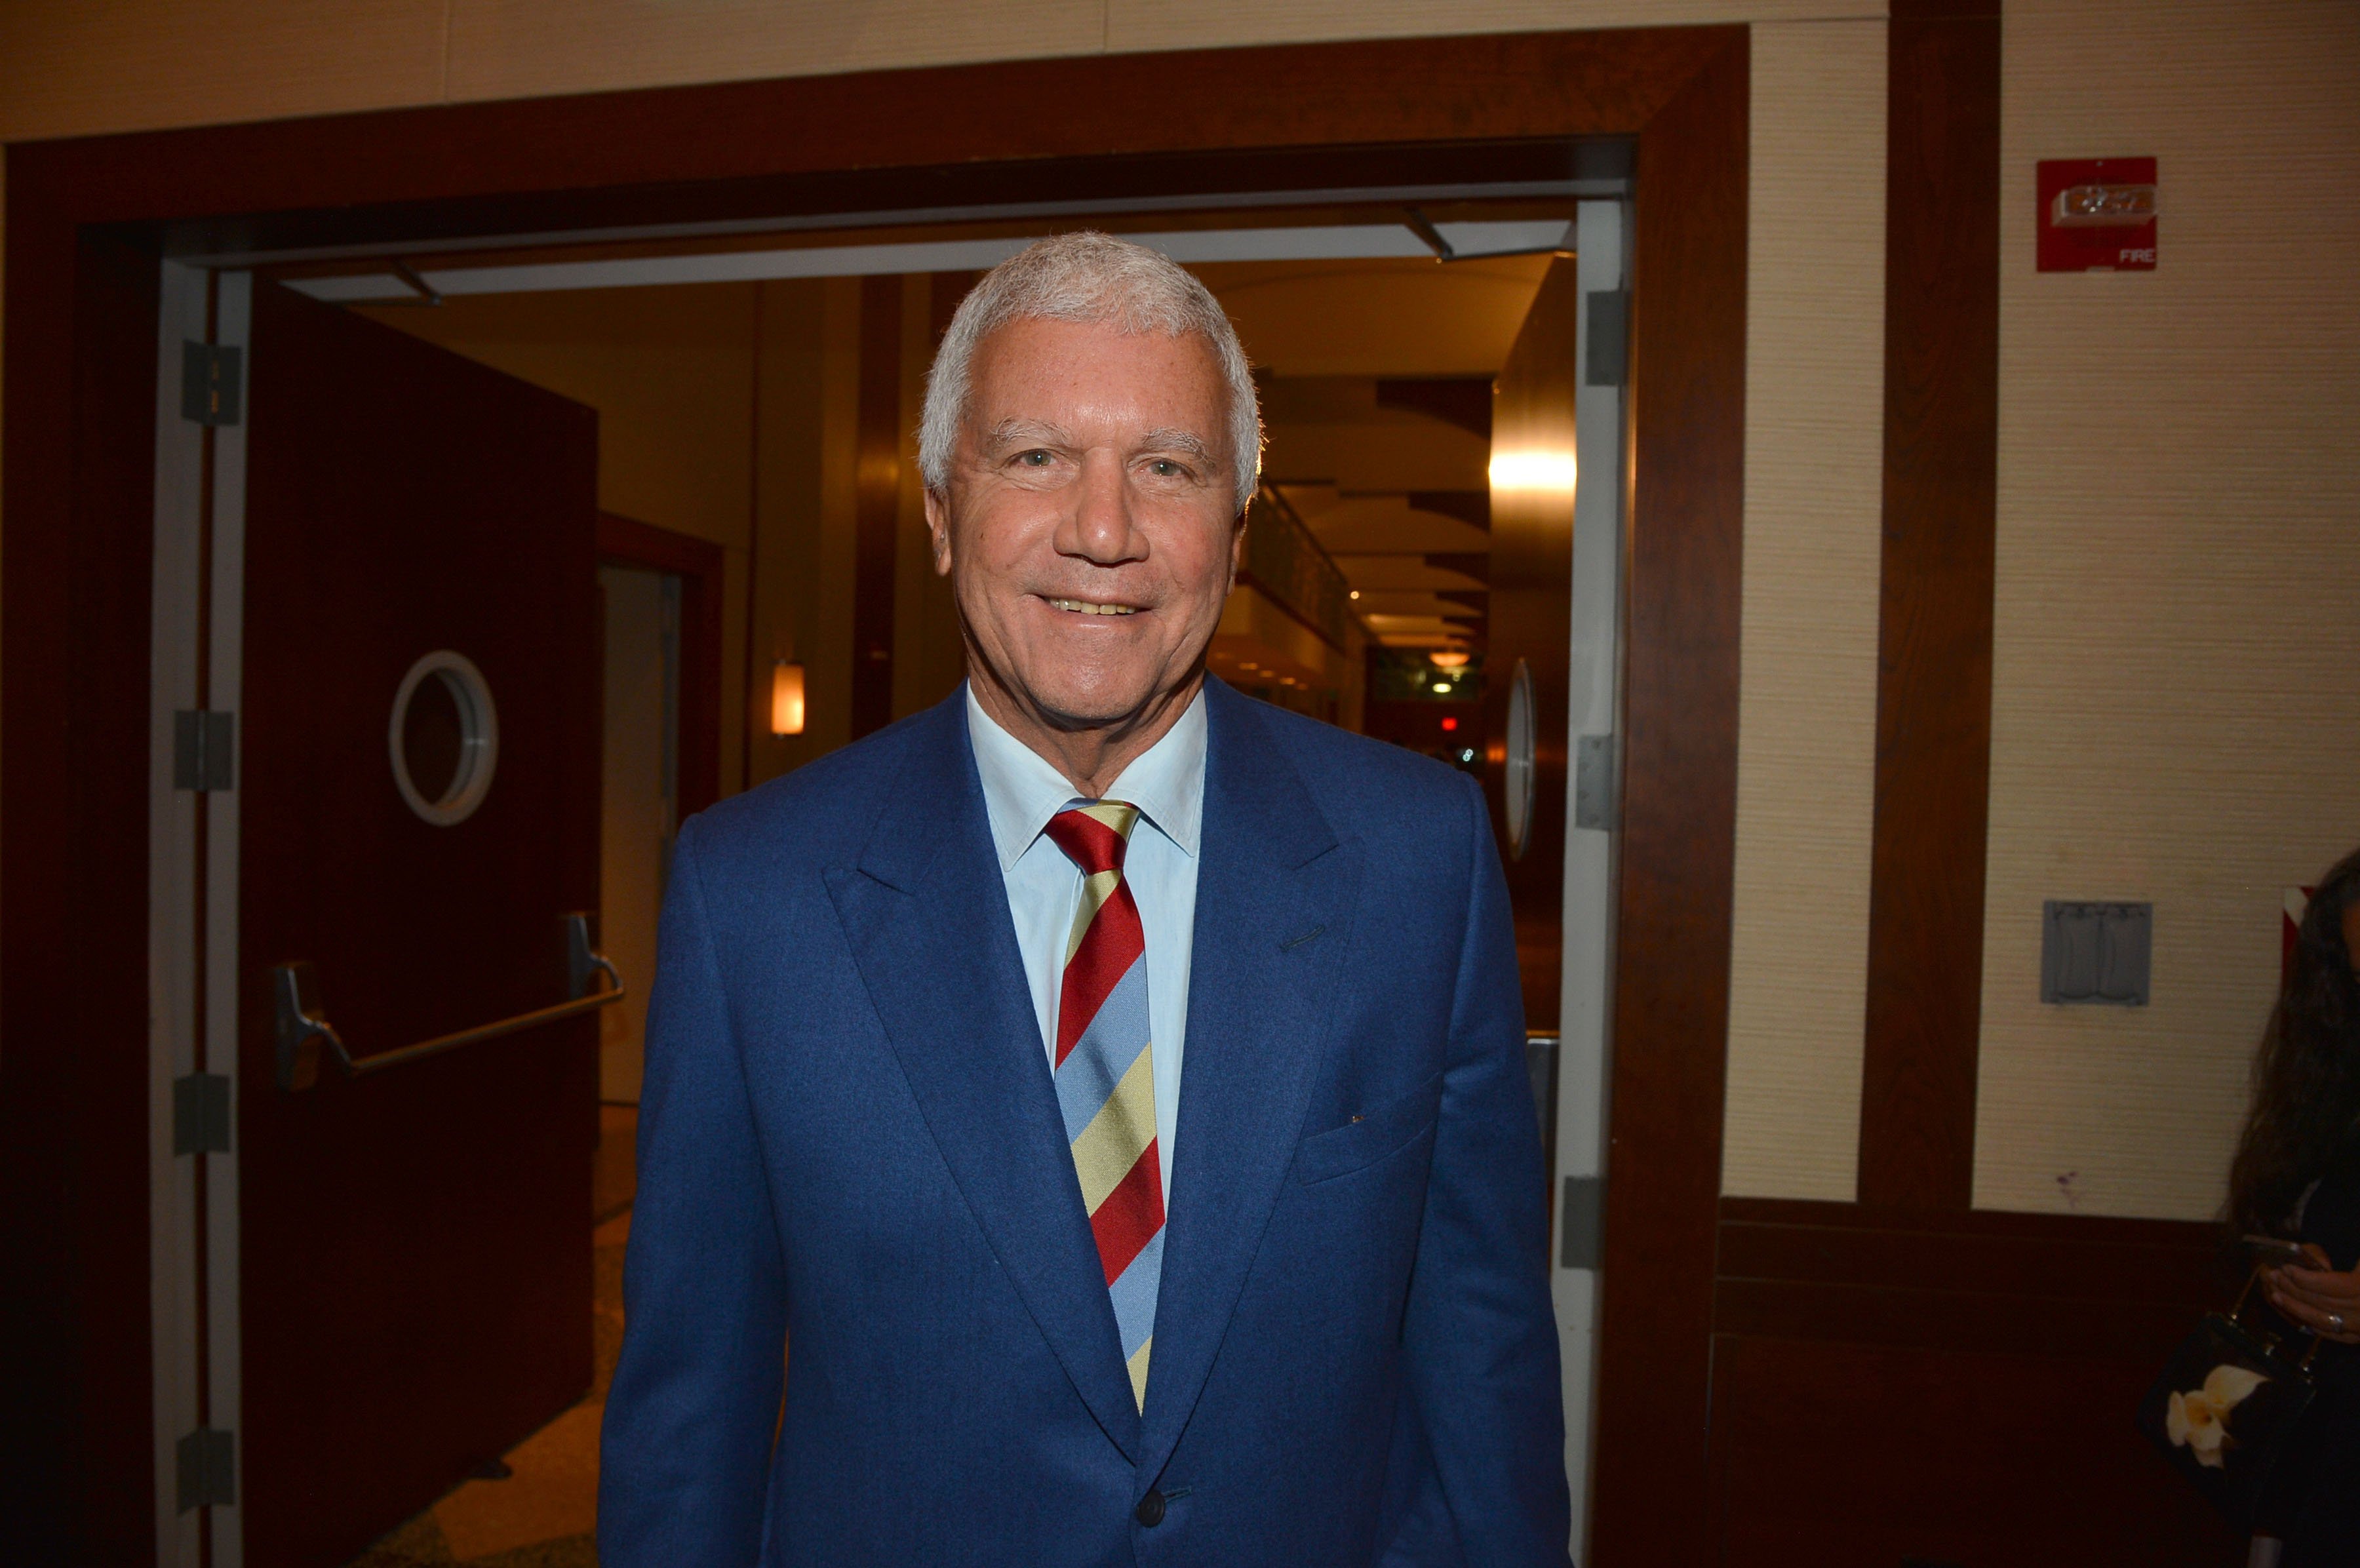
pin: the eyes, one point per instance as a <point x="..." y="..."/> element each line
<point x="1167" y="470"/>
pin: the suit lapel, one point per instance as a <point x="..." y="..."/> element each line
<point x="1275" y="896"/>
<point x="926" y="916"/>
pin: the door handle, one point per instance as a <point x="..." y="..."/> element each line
<point x="306" y="1036"/>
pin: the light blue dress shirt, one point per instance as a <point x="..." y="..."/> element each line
<point x="1021" y="793"/>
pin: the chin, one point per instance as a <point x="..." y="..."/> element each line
<point x="1090" y="704"/>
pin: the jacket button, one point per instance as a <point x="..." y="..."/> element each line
<point x="1151" y="1508"/>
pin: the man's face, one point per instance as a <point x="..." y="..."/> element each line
<point x="1090" y="528"/>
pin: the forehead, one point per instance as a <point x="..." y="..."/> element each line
<point x="1089" y="371"/>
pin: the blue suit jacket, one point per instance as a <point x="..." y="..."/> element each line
<point x="848" y="1141"/>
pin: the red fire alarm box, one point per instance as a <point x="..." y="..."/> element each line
<point x="2097" y="214"/>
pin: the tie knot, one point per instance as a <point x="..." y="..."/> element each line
<point x="1095" y="836"/>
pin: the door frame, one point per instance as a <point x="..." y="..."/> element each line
<point x="698" y="563"/>
<point x="88" y="220"/>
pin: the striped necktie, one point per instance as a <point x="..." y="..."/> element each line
<point x="1106" y="1073"/>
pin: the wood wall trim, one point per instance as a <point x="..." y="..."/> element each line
<point x="87" y="219"/>
<point x="1686" y="507"/>
<point x="1933" y="697"/>
<point x="699" y="565"/>
<point x="917" y="137"/>
<point x="2045" y="1284"/>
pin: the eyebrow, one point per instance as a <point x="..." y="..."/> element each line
<point x="1025" y="432"/>
<point x="1013" y="434"/>
<point x="1185" y="442"/>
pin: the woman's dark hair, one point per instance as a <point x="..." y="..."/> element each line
<point x="2306" y="1113"/>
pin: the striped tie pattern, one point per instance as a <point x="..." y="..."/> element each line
<point x="1106" y="1073"/>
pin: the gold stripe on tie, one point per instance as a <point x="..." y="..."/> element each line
<point x="1137" y="1368"/>
<point x="1097" y="888"/>
<point x="1124" y="1126"/>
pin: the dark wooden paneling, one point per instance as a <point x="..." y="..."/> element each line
<point x="1933" y="697"/>
<point x="1955" y="1386"/>
<point x="1838" y="1455"/>
<point x="877" y="503"/>
<point x="74" y="1376"/>
<point x="698" y="565"/>
<point x="78" y="476"/>
<point x="1671" y="999"/>
<point x="1299" y="116"/>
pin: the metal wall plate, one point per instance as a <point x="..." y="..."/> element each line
<point x="2097" y="953"/>
<point x="209" y="383"/>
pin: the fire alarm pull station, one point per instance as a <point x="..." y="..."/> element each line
<point x="2097" y="214"/>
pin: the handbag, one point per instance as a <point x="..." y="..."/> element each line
<point x="2223" y="1405"/>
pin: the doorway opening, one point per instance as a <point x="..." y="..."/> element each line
<point x="759" y="505"/>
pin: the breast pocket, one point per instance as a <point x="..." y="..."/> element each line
<point x="1373" y="1135"/>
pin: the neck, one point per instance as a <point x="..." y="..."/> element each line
<point x="1089" y="756"/>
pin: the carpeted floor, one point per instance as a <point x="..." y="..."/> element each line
<point x="544" y="1514"/>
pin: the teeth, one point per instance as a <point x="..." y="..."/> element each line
<point x="1083" y="607"/>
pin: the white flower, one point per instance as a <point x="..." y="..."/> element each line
<point x="2198" y="1419"/>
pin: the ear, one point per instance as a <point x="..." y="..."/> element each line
<point x="938" y="530"/>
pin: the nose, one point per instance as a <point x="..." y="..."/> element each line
<point x="1099" y="529"/>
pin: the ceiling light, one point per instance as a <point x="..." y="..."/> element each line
<point x="1447" y="658"/>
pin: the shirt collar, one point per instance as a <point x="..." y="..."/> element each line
<point x="1021" y="791"/>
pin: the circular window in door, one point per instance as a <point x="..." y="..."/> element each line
<point x="1516" y="785"/>
<point x="444" y="736"/>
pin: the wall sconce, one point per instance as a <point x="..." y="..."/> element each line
<point x="786" y="699"/>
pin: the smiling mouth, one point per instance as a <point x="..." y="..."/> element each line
<point x="1084" y="607"/>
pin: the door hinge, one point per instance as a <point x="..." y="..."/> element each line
<point x="209" y="383"/>
<point x="1593" y="782"/>
<point x="204" y="750"/>
<point x="1610" y="338"/>
<point x="200" y="1114"/>
<point x="1581" y="1222"/>
<point x="208" y="1467"/>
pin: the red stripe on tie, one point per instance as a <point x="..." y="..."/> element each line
<point x="1113" y="944"/>
<point x="1128" y="1218"/>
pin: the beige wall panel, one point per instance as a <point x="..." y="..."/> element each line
<point x="2176" y="663"/>
<point x="669" y="371"/>
<point x="1202" y="23"/>
<point x="521" y="48"/>
<point x="74" y="67"/>
<point x="1807" y="703"/>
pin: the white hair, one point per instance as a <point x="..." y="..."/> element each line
<point x="1097" y="278"/>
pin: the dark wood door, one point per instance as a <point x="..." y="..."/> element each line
<point x="415" y="1244"/>
<point x="1531" y="617"/>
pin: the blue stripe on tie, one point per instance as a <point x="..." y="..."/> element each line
<point x="1085" y="1083"/>
<point x="1134" y="1296"/>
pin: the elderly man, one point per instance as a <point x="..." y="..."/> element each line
<point x="1111" y="1087"/>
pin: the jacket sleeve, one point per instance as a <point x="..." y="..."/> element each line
<point x="1479" y="1336"/>
<point x="689" y="1419"/>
